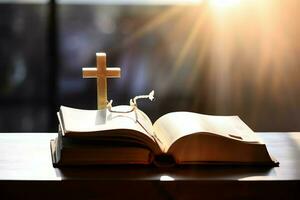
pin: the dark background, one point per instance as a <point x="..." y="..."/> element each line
<point x="241" y="61"/>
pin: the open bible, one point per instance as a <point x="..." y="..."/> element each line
<point x="123" y="135"/>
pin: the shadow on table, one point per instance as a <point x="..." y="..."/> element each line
<point x="151" y="172"/>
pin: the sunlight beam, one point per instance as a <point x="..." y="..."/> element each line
<point x="194" y="33"/>
<point x="156" y="22"/>
<point x="224" y="3"/>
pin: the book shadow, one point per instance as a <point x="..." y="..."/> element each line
<point x="152" y="172"/>
<point x="101" y="117"/>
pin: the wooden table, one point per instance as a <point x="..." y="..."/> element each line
<point x="26" y="172"/>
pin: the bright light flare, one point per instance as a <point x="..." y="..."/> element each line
<point x="239" y="49"/>
<point x="224" y="3"/>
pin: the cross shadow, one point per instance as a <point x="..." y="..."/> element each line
<point x="101" y="117"/>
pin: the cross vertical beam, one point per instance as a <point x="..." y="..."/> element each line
<point x="101" y="81"/>
<point x="101" y="73"/>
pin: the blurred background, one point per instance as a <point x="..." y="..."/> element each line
<point x="220" y="57"/>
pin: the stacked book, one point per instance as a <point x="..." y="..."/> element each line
<point x="126" y="135"/>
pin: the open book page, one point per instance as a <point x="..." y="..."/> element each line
<point x="77" y="120"/>
<point x="173" y="126"/>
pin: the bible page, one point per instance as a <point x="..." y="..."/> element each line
<point x="173" y="126"/>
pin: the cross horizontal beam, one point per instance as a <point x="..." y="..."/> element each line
<point x="101" y="73"/>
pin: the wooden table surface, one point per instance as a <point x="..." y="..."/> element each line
<point x="26" y="171"/>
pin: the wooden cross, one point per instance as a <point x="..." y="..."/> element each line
<point x="101" y="73"/>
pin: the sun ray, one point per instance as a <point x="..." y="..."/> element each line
<point x="197" y="68"/>
<point x="177" y="34"/>
<point x="243" y="51"/>
<point x="153" y="24"/>
<point x="189" y="42"/>
<point x="224" y="3"/>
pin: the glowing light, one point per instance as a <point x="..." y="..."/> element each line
<point x="224" y="3"/>
<point x="232" y="44"/>
<point x="166" y="178"/>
